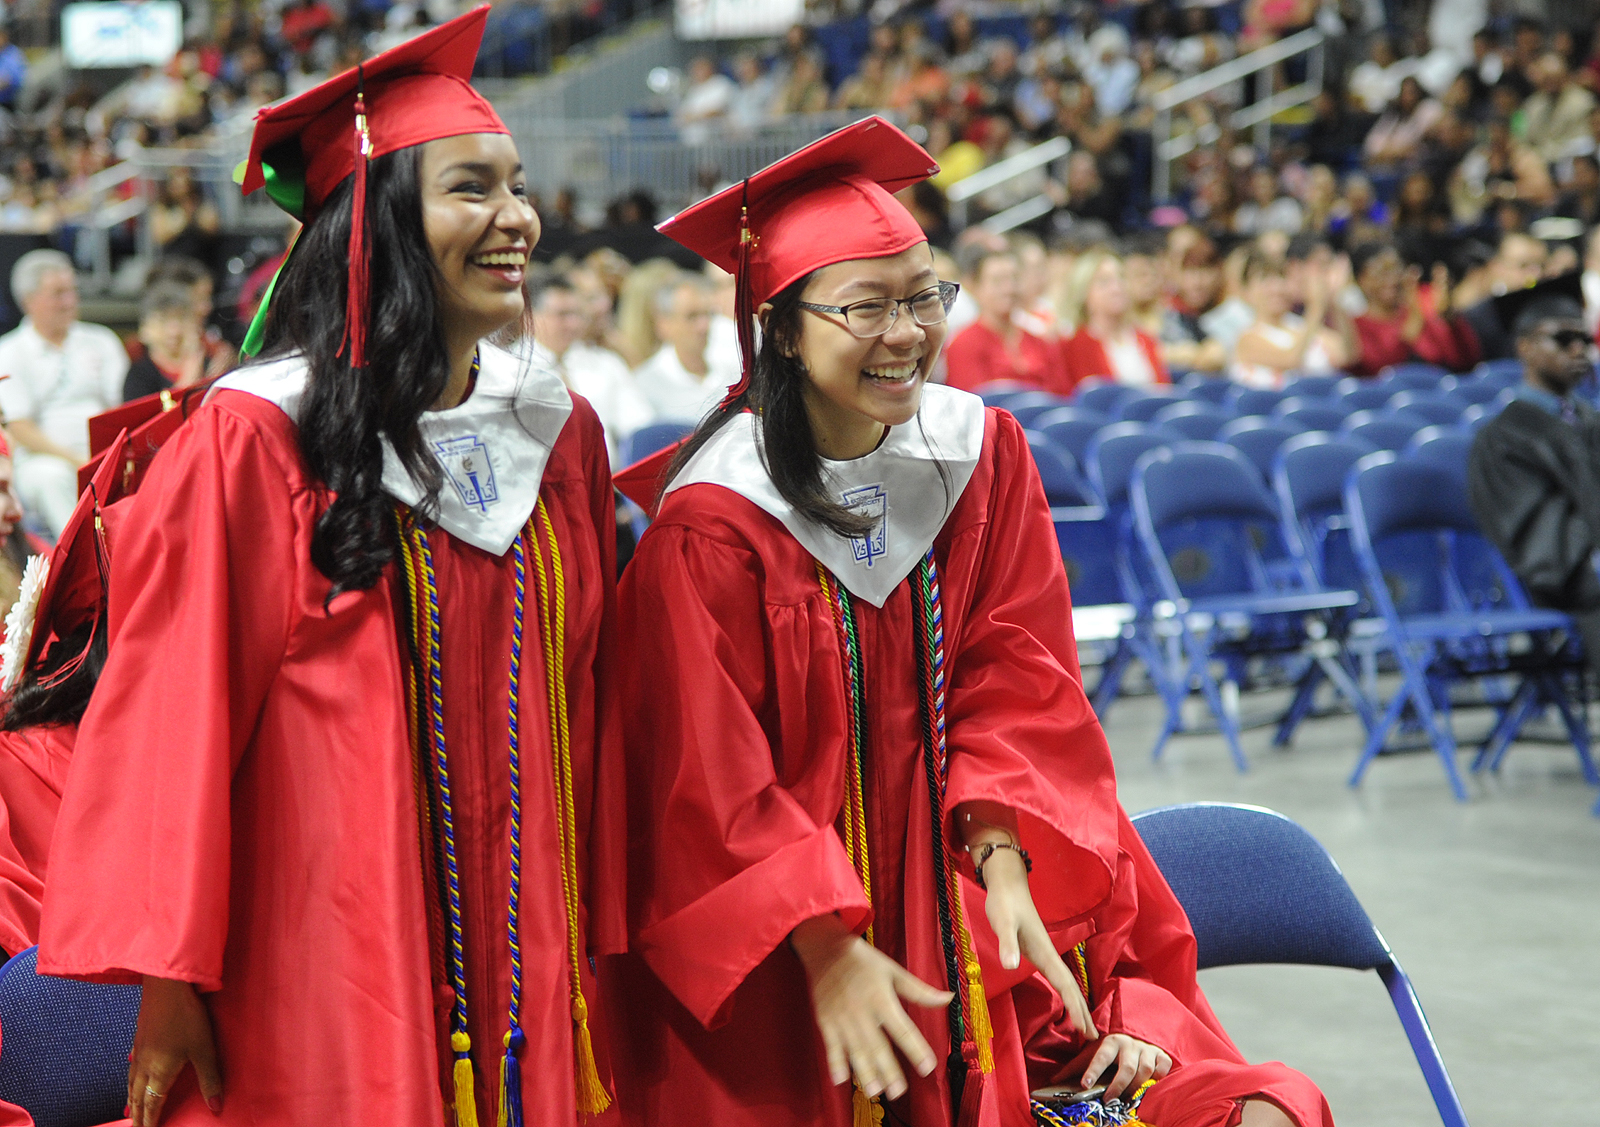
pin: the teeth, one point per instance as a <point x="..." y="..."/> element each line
<point x="502" y="258"/>
<point x="902" y="373"/>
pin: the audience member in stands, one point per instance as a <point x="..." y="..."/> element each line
<point x="636" y="339"/>
<point x="13" y="70"/>
<point x="869" y="88"/>
<point x="1534" y="470"/>
<point x="752" y="103"/>
<point x="706" y="101"/>
<point x="1396" y="327"/>
<point x="1280" y="343"/>
<point x="62" y="373"/>
<point x="1374" y="84"/>
<point x="557" y="318"/>
<point x="1109" y="71"/>
<point x="1555" y="118"/>
<point x="1580" y="198"/>
<point x="1106" y="343"/>
<point x="1083" y="194"/>
<point x="1359" y="215"/>
<point x="1499" y="168"/>
<point x="1422" y="226"/>
<point x="1396" y="135"/>
<point x="1590" y="282"/>
<point x="805" y="91"/>
<point x="174" y="354"/>
<point x="679" y="381"/>
<point x="1035" y="311"/>
<point x="1517" y="263"/>
<point x="1269" y="208"/>
<point x="1198" y="285"/>
<point x="994" y="348"/>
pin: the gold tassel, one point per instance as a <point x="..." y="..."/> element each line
<point x="864" y="1110"/>
<point x="466" y="1100"/>
<point x="592" y="1095"/>
<point x="982" y="1030"/>
<point x="500" y="1119"/>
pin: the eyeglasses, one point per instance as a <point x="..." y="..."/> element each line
<point x="1566" y="338"/>
<point x="877" y="315"/>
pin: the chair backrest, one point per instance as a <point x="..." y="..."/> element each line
<point x="1506" y="373"/>
<point x="1446" y="447"/>
<point x="66" y="1045"/>
<point x="1476" y="390"/>
<point x="1258" y="439"/>
<point x="1424" y="377"/>
<point x="1436" y="406"/>
<point x="996" y="394"/>
<point x="1308" y="478"/>
<point x="1194" y="419"/>
<point x="1383" y="430"/>
<point x="1311" y="414"/>
<point x="1312" y="387"/>
<point x="1365" y="395"/>
<point x="1258" y="888"/>
<point x="1255" y="400"/>
<point x="1148" y="404"/>
<point x="1029" y="405"/>
<point x="1209" y="389"/>
<point x="1102" y="395"/>
<point x="1064" y="485"/>
<point x="648" y="439"/>
<point x="1112" y="454"/>
<point x="1071" y="428"/>
<point x="1089" y="553"/>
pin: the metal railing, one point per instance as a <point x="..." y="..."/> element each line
<point x="1269" y="102"/>
<point x="964" y="191"/>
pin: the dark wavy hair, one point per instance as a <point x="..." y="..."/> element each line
<point x="346" y="410"/>
<point x="34" y="701"/>
<point x="776" y="395"/>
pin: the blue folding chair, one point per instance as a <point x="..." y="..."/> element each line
<point x="1311" y="414"/>
<point x="1258" y="888"/>
<point x="1440" y="407"/>
<point x="1255" y="400"/>
<point x="1064" y="485"/>
<point x="1258" y="439"/>
<point x="1440" y="627"/>
<point x="1476" y="390"/>
<point x="1381" y="429"/>
<point x="1210" y="389"/>
<point x="1029" y="405"/>
<point x="998" y="393"/>
<point x="1071" y="428"/>
<point x="1420" y="377"/>
<point x="1207" y="527"/>
<point x="1194" y="419"/>
<point x="1148" y="404"/>
<point x="647" y="440"/>
<point x="65" y="1058"/>
<point x="1312" y="387"/>
<point x="1445" y="447"/>
<point x="1478" y="414"/>
<point x="1102" y="395"/>
<point x="1365" y="395"/>
<point x="1506" y="373"/>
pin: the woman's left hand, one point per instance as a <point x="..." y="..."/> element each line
<point x="1019" y="929"/>
<point x="1124" y="1063"/>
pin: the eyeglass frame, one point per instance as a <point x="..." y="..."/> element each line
<point x="948" y="292"/>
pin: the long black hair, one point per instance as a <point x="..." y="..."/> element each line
<point x="345" y="411"/>
<point x="40" y="699"/>
<point x="777" y="395"/>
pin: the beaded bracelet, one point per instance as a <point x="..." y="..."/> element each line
<point x="987" y="850"/>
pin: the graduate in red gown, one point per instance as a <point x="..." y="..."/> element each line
<point x="343" y="797"/>
<point x="856" y="723"/>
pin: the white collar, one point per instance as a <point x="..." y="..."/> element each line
<point x="899" y="482"/>
<point x="493" y="448"/>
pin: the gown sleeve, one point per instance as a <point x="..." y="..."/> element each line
<point x="1021" y="732"/>
<point x="747" y="861"/>
<point x="200" y="604"/>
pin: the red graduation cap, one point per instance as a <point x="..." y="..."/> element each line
<point x="829" y="202"/>
<point x="303" y="149"/>
<point x="75" y="586"/>
<point x="149" y="420"/>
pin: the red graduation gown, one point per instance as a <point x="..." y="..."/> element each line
<point x="737" y="741"/>
<point x="33" y="769"/>
<point x="240" y="811"/>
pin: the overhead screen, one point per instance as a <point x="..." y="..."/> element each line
<point x="736" y="19"/>
<point x="121" y="34"/>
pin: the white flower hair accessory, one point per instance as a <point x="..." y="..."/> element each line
<point x="20" y="621"/>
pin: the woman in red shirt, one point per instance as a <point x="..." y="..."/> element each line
<point x="1395" y="329"/>
<point x="1107" y="344"/>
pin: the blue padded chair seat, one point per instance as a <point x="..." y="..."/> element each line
<point x="1291" y="602"/>
<point x="1480" y="625"/>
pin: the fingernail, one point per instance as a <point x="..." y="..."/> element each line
<point x="896" y="1091"/>
<point x="215" y="1104"/>
<point x="927" y="1066"/>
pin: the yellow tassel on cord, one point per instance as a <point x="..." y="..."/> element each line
<point x="466" y="1099"/>
<point x="500" y="1119"/>
<point x="864" y="1110"/>
<point x="982" y="1030"/>
<point x="592" y="1095"/>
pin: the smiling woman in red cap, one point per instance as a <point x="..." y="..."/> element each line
<point x="342" y="797"/>
<point x="870" y="804"/>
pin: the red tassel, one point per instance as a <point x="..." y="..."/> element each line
<point x="744" y="313"/>
<point x="980" y="1105"/>
<point x="356" y="301"/>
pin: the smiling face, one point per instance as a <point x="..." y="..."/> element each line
<point x="855" y="387"/>
<point x="480" y="228"/>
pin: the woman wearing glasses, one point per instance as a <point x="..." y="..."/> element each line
<point x="856" y="704"/>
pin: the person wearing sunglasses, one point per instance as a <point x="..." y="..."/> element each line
<point x="869" y="801"/>
<point x="1534" y="470"/>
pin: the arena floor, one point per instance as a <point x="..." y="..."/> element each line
<point x="1492" y="907"/>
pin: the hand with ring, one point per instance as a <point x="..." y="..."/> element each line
<point x="174" y="1031"/>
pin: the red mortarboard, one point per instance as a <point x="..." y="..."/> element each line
<point x="75" y="587"/>
<point x="830" y="202"/>
<point x="302" y="149"/>
<point x="149" y="420"/>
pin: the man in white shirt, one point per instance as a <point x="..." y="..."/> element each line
<point x="597" y="374"/>
<point x="680" y="380"/>
<point x="62" y="373"/>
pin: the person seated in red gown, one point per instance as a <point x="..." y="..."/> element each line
<point x="1106" y="344"/>
<point x="994" y="349"/>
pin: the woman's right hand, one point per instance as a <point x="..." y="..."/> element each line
<point x="174" y="1030"/>
<point x="857" y="991"/>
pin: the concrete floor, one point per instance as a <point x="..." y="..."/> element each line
<point x="1492" y="907"/>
